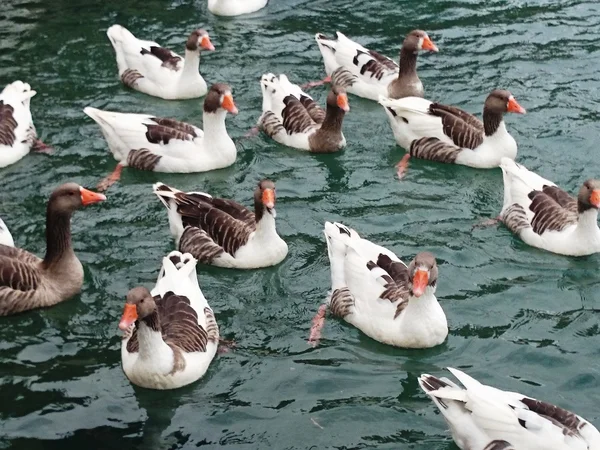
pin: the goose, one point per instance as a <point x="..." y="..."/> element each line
<point x="450" y="135"/>
<point x="235" y="7"/>
<point x="545" y="216"/>
<point x="159" y="144"/>
<point x="18" y="135"/>
<point x="222" y="232"/>
<point x="28" y="282"/>
<point x="477" y="414"/>
<point x="377" y="293"/>
<point x="291" y="117"/>
<point x="154" y="70"/>
<point x="5" y="236"/>
<point x="170" y="334"/>
<point x="368" y="74"/>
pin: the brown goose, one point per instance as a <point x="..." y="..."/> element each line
<point x="171" y="335"/>
<point x="222" y="232"/>
<point x="291" y="117"/>
<point x="368" y="74"/>
<point x="545" y="216"/>
<point x="448" y="134"/>
<point x="28" y="282"/>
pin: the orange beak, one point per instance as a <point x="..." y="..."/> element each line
<point x="268" y="198"/>
<point x="205" y="43"/>
<point x="514" y="107"/>
<point x="595" y="198"/>
<point x="129" y="316"/>
<point x="89" y="197"/>
<point x="420" y="281"/>
<point x="228" y="104"/>
<point x="342" y="102"/>
<point x="429" y="45"/>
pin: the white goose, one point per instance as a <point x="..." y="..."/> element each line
<point x="377" y="293"/>
<point x="171" y="335"/>
<point x="477" y="414"/>
<point x="291" y="117"/>
<point x="158" y="144"/>
<point x="5" y="236"/>
<point x="149" y="68"/>
<point x="368" y="74"/>
<point x="448" y="134"/>
<point x="545" y="216"/>
<point x="222" y="232"/>
<point x="17" y="132"/>
<point x="235" y="7"/>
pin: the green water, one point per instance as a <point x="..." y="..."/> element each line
<point x="519" y="318"/>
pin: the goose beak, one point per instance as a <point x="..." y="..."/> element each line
<point x="514" y="107"/>
<point x="129" y="316"/>
<point x="228" y="104"/>
<point x="420" y="282"/>
<point x="595" y="198"/>
<point x="268" y="198"/>
<point x="89" y="197"/>
<point x="429" y="45"/>
<point x="342" y="102"/>
<point x="206" y="44"/>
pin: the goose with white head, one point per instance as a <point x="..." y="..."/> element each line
<point x="487" y="418"/>
<point x="170" y="334"/>
<point x="28" y="282"/>
<point x="545" y="216"/>
<point x="369" y="74"/>
<point x="160" y="144"/>
<point x="447" y="134"/>
<point x="154" y="70"/>
<point x="291" y="117"/>
<point x="223" y="232"/>
<point x="380" y="295"/>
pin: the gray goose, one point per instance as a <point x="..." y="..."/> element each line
<point x="369" y="74"/>
<point x="222" y="232"/>
<point x="28" y="282"/>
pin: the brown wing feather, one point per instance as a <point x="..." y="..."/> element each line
<point x="396" y="279"/>
<point x="314" y="110"/>
<point x="8" y="124"/>
<point x="562" y="418"/>
<point x="179" y="324"/>
<point x="20" y="254"/>
<point x="384" y="60"/>
<point x="548" y="214"/>
<point x="561" y="197"/>
<point x="499" y="445"/>
<point x="19" y="275"/>
<point x="199" y="244"/>
<point x="465" y="130"/>
<point x="296" y="118"/>
<point x="377" y="64"/>
<point x="160" y="134"/>
<point x="176" y="125"/>
<point x="168" y="58"/>
<point x="432" y="149"/>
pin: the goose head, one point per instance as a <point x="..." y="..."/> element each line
<point x="199" y="40"/>
<point x="264" y="197"/>
<point x="422" y="274"/>
<point x="139" y="305"/>
<point x="418" y="40"/>
<point x="219" y="97"/>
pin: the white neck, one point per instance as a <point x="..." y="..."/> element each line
<point x="152" y="347"/>
<point x="265" y="229"/>
<point x="422" y="305"/>
<point x="214" y="125"/>
<point x="588" y="226"/>
<point x="191" y="64"/>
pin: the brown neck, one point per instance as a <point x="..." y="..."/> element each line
<point x="491" y="121"/>
<point x="408" y="63"/>
<point x="152" y="321"/>
<point x="334" y="117"/>
<point x="259" y="210"/>
<point x="583" y="207"/>
<point x="58" y="235"/>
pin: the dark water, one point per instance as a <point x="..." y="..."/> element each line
<point x="519" y="318"/>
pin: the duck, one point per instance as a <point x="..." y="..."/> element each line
<point x="5" y="236"/>
<point x="235" y="7"/>
<point x="147" y="142"/>
<point x="447" y="134"/>
<point x="18" y="135"/>
<point x="368" y="74"/>
<point x="223" y="233"/>
<point x="545" y="216"/>
<point x="170" y="334"/>
<point x="292" y="118"/>
<point x="372" y="289"/>
<point x="478" y="414"/>
<point x="28" y="282"/>
<point x="147" y="67"/>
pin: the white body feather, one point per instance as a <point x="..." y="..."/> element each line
<point x="235" y="7"/>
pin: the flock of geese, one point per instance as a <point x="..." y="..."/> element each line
<point x="171" y="334"/>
